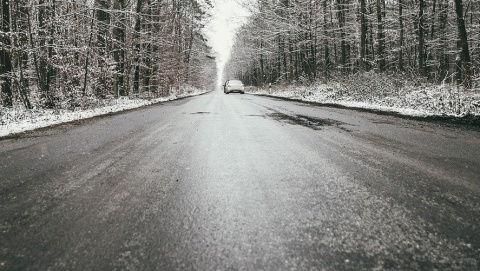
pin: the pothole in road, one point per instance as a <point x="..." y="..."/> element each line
<point x="306" y="121"/>
<point x="200" y="113"/>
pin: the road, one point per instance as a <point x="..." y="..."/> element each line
<point x="241" y="182"/>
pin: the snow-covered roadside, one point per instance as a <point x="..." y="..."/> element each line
<point x="17" y="119"/>
<point x="438" y="100"/>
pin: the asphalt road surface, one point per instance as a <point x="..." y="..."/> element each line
<point x="241" y="182"/>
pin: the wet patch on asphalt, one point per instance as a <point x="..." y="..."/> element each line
<point x="306" y="121"/>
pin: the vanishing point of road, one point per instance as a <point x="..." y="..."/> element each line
<point x="241" y="182"/>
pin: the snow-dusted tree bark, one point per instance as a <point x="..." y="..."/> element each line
<point x="5" y="55"/>
<point x="136" y="77"/>
<point x="421" y="38"/>
<point x="103" y="47"/>
<point x="463" y="61"/>
<point x="341" y="16"/>
<point x="326" y="47"/>
<point x="21" y="56"/>
<point x="119" y="6"/>
<point x="363" y="33"/>
<point x="402" y="35"/>
<point x="380" y="6"/>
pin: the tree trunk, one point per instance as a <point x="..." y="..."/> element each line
<point x="285" y="60"/>
<point x="443" y="22"/>
<point x="380" y="37"/>
<point x="34" y="53"/>
<point x="147" y="60"/>
<point x="119" y="47"/>
<point x="341" y="25"/>
<point x="313" y="39"/>
<point x="188" y="55"/>
<point x="51" y="73"/>
<point x="87" y="58"/>
<point x="421" y="39"/>
<point x="136" y="77"/>
<point x="42" y="67"/>
<point x="326" y="65"/>
<point x="432" y="27"/>
<point x="371" y="40"/>
<point x="5" y="55"/>
<point x="463" y="45"/>
<point x="103" y="20"/>
<point x="363" y="34"/>
<point x="22" y="56"/>
<point x="279" y="57"/>
<point x="290" y="60"/>
<point x="402" y="34"/>
<point x="261" y="79"/>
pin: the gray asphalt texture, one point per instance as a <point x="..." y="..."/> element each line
<point x="241" y="182"/>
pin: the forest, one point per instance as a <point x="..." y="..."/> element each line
<point x="304" y="41"/>
<point x="77" y="53"/>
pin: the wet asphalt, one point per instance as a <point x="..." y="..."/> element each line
<point x="241" y="182"/>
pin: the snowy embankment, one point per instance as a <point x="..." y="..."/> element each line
<point x="424" y="101"/>
<point x="18" y="119"/>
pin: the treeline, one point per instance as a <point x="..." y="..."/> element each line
<point x="307" y="40"/>
<point x="55" y="53"/>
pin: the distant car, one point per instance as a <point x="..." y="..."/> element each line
<point x="233" y="86"/>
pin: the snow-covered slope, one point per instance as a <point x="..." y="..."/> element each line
<point x="438" y="100"/>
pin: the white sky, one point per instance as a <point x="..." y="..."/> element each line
<point x="227" y="17"/>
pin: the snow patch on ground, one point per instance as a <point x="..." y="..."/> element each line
<point x="435" y="100"/>
<point x="17" y="119"/>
